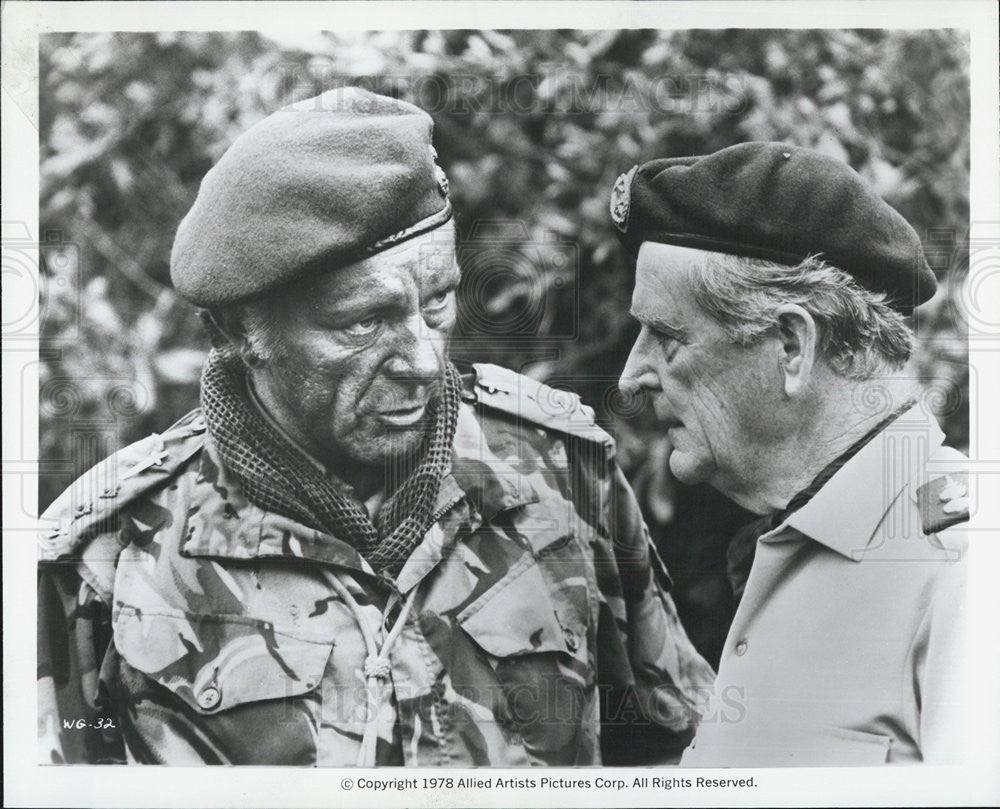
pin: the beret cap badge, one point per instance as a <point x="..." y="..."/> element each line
<point x="775" y="202"/>
<point x="442" y="178"/>
<point x="621" y="195"/>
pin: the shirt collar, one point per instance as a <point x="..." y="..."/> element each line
<point x="846" y="511"/>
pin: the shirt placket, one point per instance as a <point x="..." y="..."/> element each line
<point x="770" y="565"/>
<point x="416" y="669"/>
<point x="412" y="670"/>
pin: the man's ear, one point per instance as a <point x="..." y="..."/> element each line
<point x="217" y="327"/>
<point x="799" y="340"/>
<point x="229" y="329"/>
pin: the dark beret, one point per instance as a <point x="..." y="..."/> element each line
<point x="317" y="185"/>
<point x="777" y="202"/>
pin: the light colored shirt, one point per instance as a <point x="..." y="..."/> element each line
<point x="847" y="647"/>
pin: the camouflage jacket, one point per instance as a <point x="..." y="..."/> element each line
<point x="180" y="623"/>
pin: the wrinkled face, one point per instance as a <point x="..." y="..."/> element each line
<point x="712" y="395"/>
<point x="358" y="353"/>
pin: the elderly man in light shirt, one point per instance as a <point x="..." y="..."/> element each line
<point x="772" y="286"/>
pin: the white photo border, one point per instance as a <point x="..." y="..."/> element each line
<point x="27" y="784"/>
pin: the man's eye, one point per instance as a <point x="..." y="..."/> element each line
<point x="363" y="327"/>
<point x="671" y="345"/>
<point x="437" y="301"/>
<point x="668" y="343"/>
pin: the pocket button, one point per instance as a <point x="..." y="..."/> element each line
<point x="572" y="639"/>
<point x="209" y="698"/>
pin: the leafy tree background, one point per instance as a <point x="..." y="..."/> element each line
<point x="532" y="128"/>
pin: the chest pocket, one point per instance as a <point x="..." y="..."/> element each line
<point x="786" y="745"/>
<point x="534" y="625"/>
<point x="217" y="662"/>
<point x="545" y="600"/>
<point x="519" y="615"/>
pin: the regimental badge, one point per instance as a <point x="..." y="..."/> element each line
<point x="621" y="198"/>
<point x="442" y="178"/>
<point x="943" y="502"/>
<point x="954" y="497"/>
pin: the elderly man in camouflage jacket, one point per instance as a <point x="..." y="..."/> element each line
<point x="352" y="553"/>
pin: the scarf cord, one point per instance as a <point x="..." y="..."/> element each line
<point x="277" y="477"/>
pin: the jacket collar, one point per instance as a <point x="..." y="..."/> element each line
<point x="846" y="512"/>
<point x="493" y="469"/>
<point x="489" y="480"/>
<point x="223" y="524"/>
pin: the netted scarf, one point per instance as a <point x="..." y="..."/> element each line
<point x="277" y="477"/>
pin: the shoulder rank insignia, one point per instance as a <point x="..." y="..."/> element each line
<point x="621" y="199"/>
<point x="84" y="508"/>
<point x="535" y="402"/>
<point x="944" y="502"/>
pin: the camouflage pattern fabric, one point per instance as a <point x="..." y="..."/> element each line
<point x="181" y="624"/>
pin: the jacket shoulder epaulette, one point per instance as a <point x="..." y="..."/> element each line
<point x="534" y="402"/>
<point x="943" y="500"/>
<point x="91" y="502"/>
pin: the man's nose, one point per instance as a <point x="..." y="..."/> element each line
<point x="420" y="353"/>
<point x="638" y="375"/>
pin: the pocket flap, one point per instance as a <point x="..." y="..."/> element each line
<point x="216" y="662"/>
<point x="517" y="616"/>
<point x="781" y="744"/>
<point x="840" y="747"/>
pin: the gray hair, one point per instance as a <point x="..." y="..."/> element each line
<point x="255" y="321"/>
<point x="860" y="335"/>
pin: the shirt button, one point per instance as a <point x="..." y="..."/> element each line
<point x="209" y="698"/>
<point x="741" y="648"/>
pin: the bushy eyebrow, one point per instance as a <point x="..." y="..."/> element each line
<point x="358" y="301"/>
<point x="658" y="323"/>
<point x="449" y="276"/>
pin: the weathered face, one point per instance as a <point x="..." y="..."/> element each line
<point x="358" y="352"/>
<point x="712" y="395"/>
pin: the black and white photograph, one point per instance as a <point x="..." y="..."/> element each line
<point x="479" y="408"/>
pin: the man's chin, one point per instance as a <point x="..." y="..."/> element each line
<point x="386" y="446"/>
<point x="689" y="469"/>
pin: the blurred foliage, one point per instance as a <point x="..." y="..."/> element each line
<point x="532" y="128"/>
